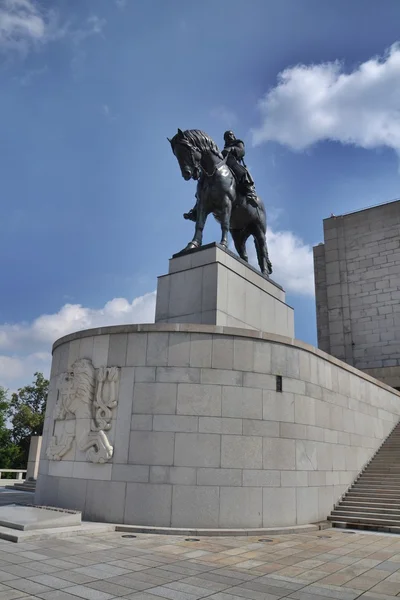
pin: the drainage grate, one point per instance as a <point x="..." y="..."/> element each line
<point x="326" y="537"/>
<point x="192" y="540"/>
<point x="128" y="536"/>
<point x="349" y="532"/>
<point x="265" y="540"/>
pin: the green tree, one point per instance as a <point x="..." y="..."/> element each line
<point x="10" y="453"/>
<point x="26" y="412"/>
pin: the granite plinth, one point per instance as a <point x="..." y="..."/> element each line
<point x="29" y="518"/>
<point x="212" y="286"/>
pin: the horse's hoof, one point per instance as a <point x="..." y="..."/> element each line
<point x="191" y="246"/>
<point x="224" y="245"/>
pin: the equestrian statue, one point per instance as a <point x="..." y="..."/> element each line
<point x="225" y="188"/>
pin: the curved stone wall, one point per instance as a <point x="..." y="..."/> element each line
<point x="200" y="436"/>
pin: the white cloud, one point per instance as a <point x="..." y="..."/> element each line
<point x="25" y="24"/>
<point x="292" y="262"/>
<point x="30" y="24"/>
<point x="323" y="102"/>
<point x="25" y="347"/>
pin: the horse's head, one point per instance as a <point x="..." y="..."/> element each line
<point x="188" y="155"/>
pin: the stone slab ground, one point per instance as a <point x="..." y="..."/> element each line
<point x="321" y="565"/>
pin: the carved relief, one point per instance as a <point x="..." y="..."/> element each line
<point x="86" y="399"/>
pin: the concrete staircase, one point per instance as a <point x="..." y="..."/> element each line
<point x="23" y="486"/>
<point x="373" y="501"/>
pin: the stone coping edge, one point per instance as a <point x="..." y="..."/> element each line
<point x="220" y="330"/>
<point x="217" y="532"/>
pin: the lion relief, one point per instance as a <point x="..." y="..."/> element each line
<point x="86" y="399"/>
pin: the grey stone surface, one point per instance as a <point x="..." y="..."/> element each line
<point x="216" y="288"/>
<point x="195" y="506"/>
<point x="151" y="448"/>
<point x="241" y="452"/>
<point x="189" y="417"/>
<point x="148" y="503"/>
<point x="241" y="505"/>
<point x="105" y="501"/>
<point x="28" y="518"/>
<point x="197" y="450"/>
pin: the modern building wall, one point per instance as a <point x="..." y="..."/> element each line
<point x="203" y="438"/>
<point x="357" y="282"/>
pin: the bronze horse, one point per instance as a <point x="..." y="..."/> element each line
<point x="199" y="158"/>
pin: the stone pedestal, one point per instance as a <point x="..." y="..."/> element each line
<point x="33" y="457"/>
<point x="212" y="286"/>
<point x="196" y="422"/>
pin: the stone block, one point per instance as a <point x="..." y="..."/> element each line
<point x="73" y="353"/>
<point x="306" y="455"/>
<point x="195" y="506"/>
<point x="279" y="359"/>
<point x="219" y="477"/>
<point x="241" y="452"/>
<point x="261" y="478"/>
<point x="307" y="505"/>
<point x="117" y="350"/>
<point x="197" y="450"/>
<point x="240" y="507"/>
<point x="47" y="490"/>
<point x="142" y="423"/>
<point x="279" y="507"/>
<point x="100" y="350"/>
<point x="200" y="350"/>
<point x="279" y="454"/>
<point x="243" y="354"/>
<point x="304" y="410"/>
<point x="242" y="402"/>
<point x="157" y="349"/>
<point x="179" y="349"/>
<point x="222" y="352"/>
<point x="260" y="428"/>
<point x="156" y="398"/>
<point x="182" y="475"/>
<point x="316" y="478"/>
<point x="221" y="377"/>
<point x="175" y="423"/>
<point x="294" y="479"/>
<point x="278" y="406"/>
<point x="292" y="430"/>
<point x="151" y="448"/>
<point x="136" y="349"/>
<point x="178" y="375"/>
<point x="145" y="374"/>
<point x="219" y="425"/>
<point x="130" y="473"/>
<point x="95" y="471"/>
<point x="259" y="380"/>
<point x="86" y="347"/>
<point x="124" y="414"/>
<point x="148" y="504"/>
<point x="105" y="501"/>
<point x="72" y="493"/>
<point x="199" y="399"/>
<point x="262" y="357"/>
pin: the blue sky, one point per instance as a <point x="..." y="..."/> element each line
<point x="92" y="197"/>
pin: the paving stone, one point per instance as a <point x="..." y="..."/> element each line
<point x="88" y="593"/>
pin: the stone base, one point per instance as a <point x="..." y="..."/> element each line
<point x="212" y="286"/>
<point x="29" y="518"/>
<point x="202" y="436"/>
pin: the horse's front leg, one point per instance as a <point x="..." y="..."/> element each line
<point x="225" y="221"/>
<point x="198" y="233"/>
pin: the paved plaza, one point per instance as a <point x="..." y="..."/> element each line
<point x="326" y="564"/>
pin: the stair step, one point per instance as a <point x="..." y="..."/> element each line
<point x="371" y="502"/>
<point x="395" y="512"/>
<point x="364" y="526"/>
<point x="367" y="519"/>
